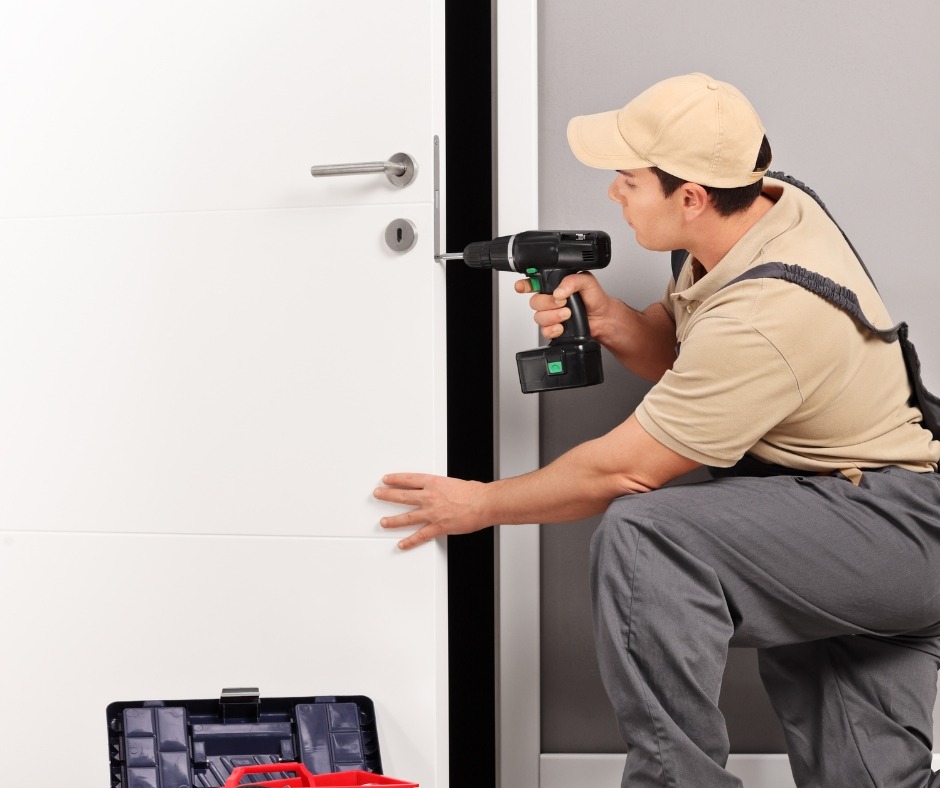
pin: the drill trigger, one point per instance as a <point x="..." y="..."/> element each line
<point x="534" y="279"/>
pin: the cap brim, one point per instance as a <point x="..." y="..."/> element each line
<point x="596" y="141"/>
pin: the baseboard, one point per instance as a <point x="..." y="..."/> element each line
<point x="603" y="771"/>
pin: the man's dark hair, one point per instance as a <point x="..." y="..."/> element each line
<point x="726" y="201"/>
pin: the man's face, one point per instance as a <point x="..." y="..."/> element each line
<point x="654" y="218"/>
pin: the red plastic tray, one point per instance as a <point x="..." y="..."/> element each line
<point x="305" y="779"/>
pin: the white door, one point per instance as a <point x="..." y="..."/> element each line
<point x="208" y="359"/>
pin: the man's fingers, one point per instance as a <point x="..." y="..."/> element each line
<point x="421" y="536"/>
<point x="404" y="520"/>
<point x="404" y="495"/>
<point x="413" y="480"/>
<point x="541" y="302"/>
<point x="551" y="317"/>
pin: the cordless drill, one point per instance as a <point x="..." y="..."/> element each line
<point x="546" y="257"/>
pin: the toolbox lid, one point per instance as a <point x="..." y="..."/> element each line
<point x="199" y="743"/>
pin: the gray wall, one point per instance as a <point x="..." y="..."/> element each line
<point x="850" y="95"/>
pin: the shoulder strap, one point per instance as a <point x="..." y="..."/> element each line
<point x="846" y="300"/>
<point x="836" y="294"/>
<point x="677" y="258"/>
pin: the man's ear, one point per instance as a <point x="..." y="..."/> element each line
<point x="694" y="198"/>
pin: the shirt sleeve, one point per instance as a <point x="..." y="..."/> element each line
<point x="728" y="387"/>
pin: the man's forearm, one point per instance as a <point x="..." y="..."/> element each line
<point x="584" y="481"/>
<point x="644" y="342"/>
<point x="580" y="483"/>
<point x="572" y="487"/>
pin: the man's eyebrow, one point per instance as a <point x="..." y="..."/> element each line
<point x="626" y="173"/>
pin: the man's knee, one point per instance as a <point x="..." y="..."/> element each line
<point x="620" y="529"/>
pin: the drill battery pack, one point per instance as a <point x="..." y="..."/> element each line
<point x="240" y="739"/>
<point x="560" y="365"/>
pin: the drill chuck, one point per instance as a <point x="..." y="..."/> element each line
<point x="490" y="254"/>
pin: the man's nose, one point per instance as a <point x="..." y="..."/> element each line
<point x="614" y="192"/>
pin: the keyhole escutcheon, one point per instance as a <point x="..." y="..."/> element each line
<point x="401" y="235"/>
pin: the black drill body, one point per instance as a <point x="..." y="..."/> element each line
<point x="546" y="257"/>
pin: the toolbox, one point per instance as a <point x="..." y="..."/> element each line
<point x="241" y="739"/>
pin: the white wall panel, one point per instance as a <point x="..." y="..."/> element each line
<point x="815" y="94"/>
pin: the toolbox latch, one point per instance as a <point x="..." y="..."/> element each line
<point x="242" y="703"/>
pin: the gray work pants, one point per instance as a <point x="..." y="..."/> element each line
<point x="837" y="586"/>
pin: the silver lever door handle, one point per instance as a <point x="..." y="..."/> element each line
<point x="400" y="169"/>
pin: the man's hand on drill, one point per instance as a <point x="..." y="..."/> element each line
<point x="644" y="342"/>
<point x="551" y="308"/>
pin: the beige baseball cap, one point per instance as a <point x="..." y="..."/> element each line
<point x="693" y="127"/>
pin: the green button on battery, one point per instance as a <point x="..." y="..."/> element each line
<point x="555" y="367"/>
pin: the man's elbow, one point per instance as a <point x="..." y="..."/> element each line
<point x="633" y="483"/>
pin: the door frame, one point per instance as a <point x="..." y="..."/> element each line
<point x="517" y="425"/>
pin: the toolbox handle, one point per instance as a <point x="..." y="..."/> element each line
<point x="304" y="778"/>
<point x="240" y="702"/>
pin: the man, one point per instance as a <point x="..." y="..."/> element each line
<point x="819" y="544"/>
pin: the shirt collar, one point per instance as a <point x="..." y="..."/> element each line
<point x="745" y="253"/>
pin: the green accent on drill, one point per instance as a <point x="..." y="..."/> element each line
<point x="555" y="367"/>
<point x="534" y="279"/>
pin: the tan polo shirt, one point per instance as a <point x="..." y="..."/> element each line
<point x="770" y="369"/>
